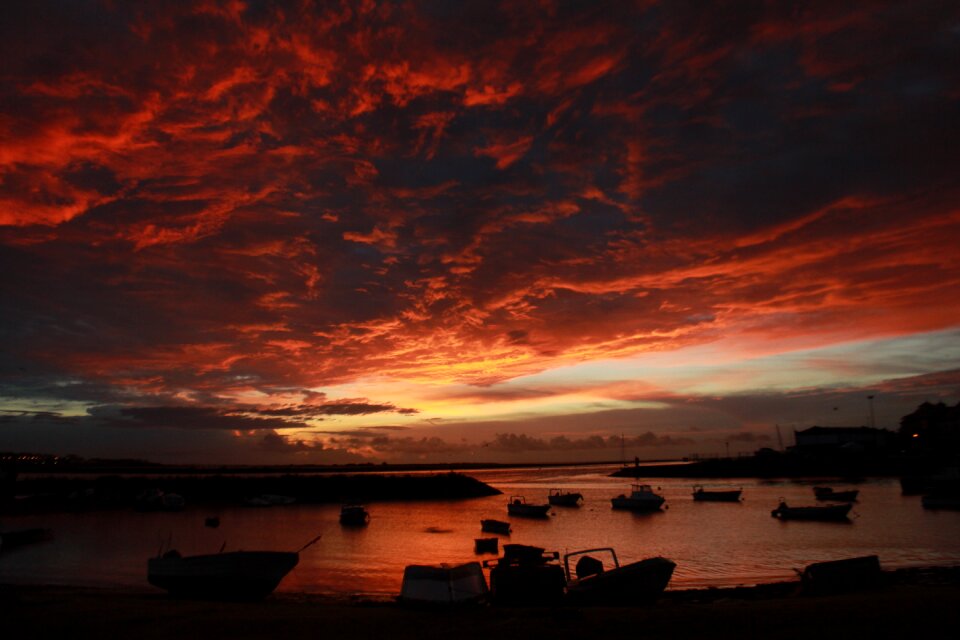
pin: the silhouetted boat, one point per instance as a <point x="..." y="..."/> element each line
<point x="354" y="515"/>
<point x="236" y="575"/>
<point x="495" y="526"/>
<point x="560" y="498"/>
<point x="836" y="576"/>
<point x="22" y="537"/>
<point x="525" y="575"/>
<point x="641" y="498"/>
<point x="722" y="495"/>
<point x="486" y="545"/>
<point x="830" y="512"/>
<point x="517" y="506"/>
<point x="157" y="500"/>
<point x="634" y="583"/>
<point x="827" y="493"/>
<point x="443" y="584"/>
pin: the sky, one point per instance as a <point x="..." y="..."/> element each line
<point x="295" y="232"/>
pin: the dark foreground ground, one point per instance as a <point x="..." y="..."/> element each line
<point x="906" y="611"/>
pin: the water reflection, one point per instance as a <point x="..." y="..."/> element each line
<point x="712" y="543"/>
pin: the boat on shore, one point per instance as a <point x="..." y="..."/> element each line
<point x="354" y="515"/>
<point x="641" y="498"/>
<point x="235" y="575"/>
<point x="495" y="526"/>
<point x="716" y="495"/>
<point x="830" y="512"/>
<point x="590" y="582"/>
<point x="561" y="498"/>
<point x="443" y="584"/>
<point x="518" y="506"/>
<point x="526" y="576"/>
<point x="838" y="576"/>
<point x="827" y="493"/>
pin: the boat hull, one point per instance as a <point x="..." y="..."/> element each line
<point x="565" y="499"/>
<point x="717" y="496"/>
<point x="830" y="513"/>
<point x="635" y="583"/>
<point x="634" y="504"/>
<point x="443" y="585"/>
<point x="495" y="526"/>
<point x="239" y="575"/>
<point x="528" y="510"/>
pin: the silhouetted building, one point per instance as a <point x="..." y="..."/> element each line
<point x="839" y="439"/>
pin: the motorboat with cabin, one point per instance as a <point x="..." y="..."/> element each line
<point x="641" y="498"/>
<point x="443" y="584"/>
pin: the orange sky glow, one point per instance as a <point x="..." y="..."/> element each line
<point x="516" y="231"/>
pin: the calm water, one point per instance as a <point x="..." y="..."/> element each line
<point x="712" y="543"/>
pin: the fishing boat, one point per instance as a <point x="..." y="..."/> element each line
<point x="495" y="526"/>
<point x="830" y="512"/>
<point x="526" y="575"/>
<point x="236" y="575"/>
<point x="827" y="493"/>
<point x="354" y="515"/>
<point x="561" y="498"/>
<point x="837" y="576"/>
<point x="641" y="498"/>
<point x="517" y="506"/>
<point x="591" y="582"/>
<point x="443" y="584"/>
<point x="716" y="495"/>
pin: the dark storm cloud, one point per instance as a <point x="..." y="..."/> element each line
<point x="214" y="199"/>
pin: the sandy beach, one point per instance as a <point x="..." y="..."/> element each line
<point x="913" y="608"/>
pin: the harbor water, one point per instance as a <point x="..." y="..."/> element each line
<point x="713" y="544"/>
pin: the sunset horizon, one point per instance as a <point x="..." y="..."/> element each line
<point x="248" y="233"/>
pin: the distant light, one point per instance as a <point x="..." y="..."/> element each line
<point x="916" y="435"/>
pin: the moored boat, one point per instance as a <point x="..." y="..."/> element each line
<point x="354" y="515"/>
<point x="830" y="512"/>
<point x="236" y="575"/>
<point x="495" y="526"/>
<point x="561" y="498"/>
<point x="641" y="498"/>
<point x="443" y="584"/>
<point x="635" y="583"/>
<point x="827" y="493"/>
<point x="716" y="495"/>
<point x="518" y="506"/>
